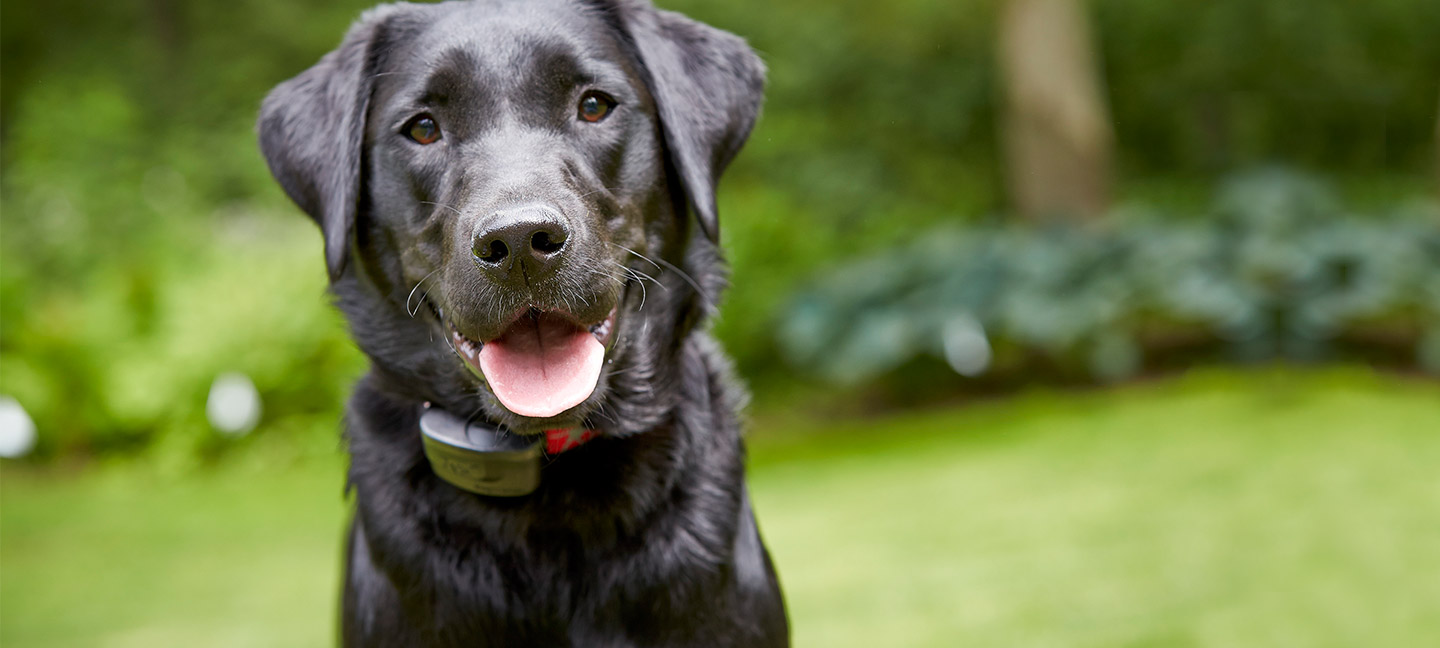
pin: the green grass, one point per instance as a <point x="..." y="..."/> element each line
<point x="1275" y="508"/>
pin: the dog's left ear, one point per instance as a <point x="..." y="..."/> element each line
<point x="312" y="128"/>
<point x="707" y="86"/>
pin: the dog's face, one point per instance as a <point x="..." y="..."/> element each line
<point x="512" y="167"/>
<point x="505" y="190"/>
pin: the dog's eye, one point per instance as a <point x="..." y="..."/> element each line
<point x="423" y="129"/>
<point x="595" y="106"/>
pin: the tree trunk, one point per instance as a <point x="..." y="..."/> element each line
<point x="1056" y="126"/>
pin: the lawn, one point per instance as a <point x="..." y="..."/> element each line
<point x="1262" y="508"/>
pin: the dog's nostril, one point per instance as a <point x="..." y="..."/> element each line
<point x="547" y="242"/>
<point x="492" y="251"/>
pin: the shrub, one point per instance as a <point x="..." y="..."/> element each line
<point x="1277" y="269"/>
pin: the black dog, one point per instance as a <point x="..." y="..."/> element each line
<point x="505" y="191"/>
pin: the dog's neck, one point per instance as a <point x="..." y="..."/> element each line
<point x="486" y="460"/>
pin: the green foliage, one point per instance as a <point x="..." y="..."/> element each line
<point x="1205" y="85"/>
<point x="145" y="247"/>
<point x="124" y="360"/>
<point x="1276" y="269"/>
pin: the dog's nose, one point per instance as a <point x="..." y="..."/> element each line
<point x="520" y="245"/>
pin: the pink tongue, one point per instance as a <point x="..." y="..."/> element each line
<point x="542" y="366"/>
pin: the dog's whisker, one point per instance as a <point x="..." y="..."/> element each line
<point x="591" y="193"/>
<point x="633" y="273"/>
<point x="682" y="274"/>
<point x="637" y="254"/>
<point x="625" y="372"/>
<point x="416" y="309"/>
<point x="603" y="413"/>
<point x="690" y="280"/>
<point x="443" y="206"/>
<point x="640" y="276"/>
<point x="644" y="294"/>
<point x="619" y="279"/>
<point x="565" y="295"/>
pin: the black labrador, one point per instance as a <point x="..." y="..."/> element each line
<point x="506" y="190"/>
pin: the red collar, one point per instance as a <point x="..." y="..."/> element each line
<point x="560" y="440"/>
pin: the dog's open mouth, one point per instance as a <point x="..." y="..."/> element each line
<point x="543" y="364"/>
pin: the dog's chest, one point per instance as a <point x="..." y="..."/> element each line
<point x="553" y="593"/>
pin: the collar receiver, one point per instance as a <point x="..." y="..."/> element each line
<point x="477" y="458"/>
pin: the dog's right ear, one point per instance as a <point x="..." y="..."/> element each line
<point x="312" y="128"/>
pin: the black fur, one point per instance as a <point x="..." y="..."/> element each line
<point x="644" y="536"/>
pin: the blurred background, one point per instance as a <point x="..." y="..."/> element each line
<point x="1069" y="323"/>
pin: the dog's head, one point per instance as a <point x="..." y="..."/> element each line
<point x="518" y="197"/>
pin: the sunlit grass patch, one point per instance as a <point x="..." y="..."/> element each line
<point x="1274" y="508"/>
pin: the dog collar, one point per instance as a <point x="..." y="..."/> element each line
<point x="486" y="460"/>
